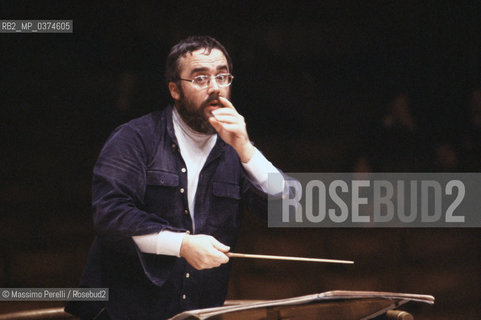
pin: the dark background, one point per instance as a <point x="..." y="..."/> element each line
<point x="316" y="83"/>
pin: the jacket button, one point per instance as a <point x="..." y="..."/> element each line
<point x="186" y="211"/>
<point x="184" y="297"/>
<point x="182" y="190"/>
<point x="183" y="170"/>
<point x="173" y="145"/>
<point x="187" y="275"/>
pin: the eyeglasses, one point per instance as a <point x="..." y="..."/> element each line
<point x="203" y="81"/>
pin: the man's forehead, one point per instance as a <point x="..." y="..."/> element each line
<point x="203" y="58"/>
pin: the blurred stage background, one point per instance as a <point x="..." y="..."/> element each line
<point x="326" y="87"/>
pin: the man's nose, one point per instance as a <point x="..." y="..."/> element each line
<point x="213" y="86"/>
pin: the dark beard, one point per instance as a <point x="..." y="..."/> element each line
<point x="194" y="118"/>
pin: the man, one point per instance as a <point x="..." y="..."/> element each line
<point x="168" y="194"/>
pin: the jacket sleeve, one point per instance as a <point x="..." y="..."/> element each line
<point x="259" y="199"/>
<point x="118" y="188"/>
<point x="255" y="199"/>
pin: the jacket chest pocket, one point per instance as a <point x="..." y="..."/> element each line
<point x="162" y="192"/>
<point x="225" y="205"/>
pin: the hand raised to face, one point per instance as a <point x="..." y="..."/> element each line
<point x="231" y="127"/>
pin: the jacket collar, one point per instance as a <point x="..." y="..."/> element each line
<point x="169" y="124"/>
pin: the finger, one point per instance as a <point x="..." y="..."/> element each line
<point x="224" y="259"/>
<point x="220" y="246"/>
<point x="215" y="123"/>
<point x="226" y="103"/>
<point x="228" y="127"/>
<point x="226" y="118"/>
<point x="218" y="257"/>
<point x="225" y="111"/>
<point x="221" y="126"/>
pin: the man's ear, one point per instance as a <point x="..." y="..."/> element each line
<point x="174" y="91"/>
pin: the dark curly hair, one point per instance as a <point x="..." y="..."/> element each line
<point x="188" y="45"/>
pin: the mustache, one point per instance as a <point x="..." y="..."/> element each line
<point x="212" y="98"/>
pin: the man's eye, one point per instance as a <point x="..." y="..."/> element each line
<point x="200" y="79"/>
<point x="221" y="77"/>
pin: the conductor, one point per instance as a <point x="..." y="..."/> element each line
<point x="168" y="194"/>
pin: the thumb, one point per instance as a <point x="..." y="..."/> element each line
<point x="220" y="246"/>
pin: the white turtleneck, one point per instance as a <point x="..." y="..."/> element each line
<point x="195" y="147"/>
